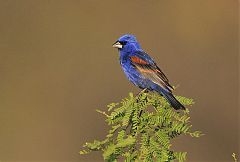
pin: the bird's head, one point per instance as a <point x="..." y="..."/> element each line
<point x="126" y="42"/>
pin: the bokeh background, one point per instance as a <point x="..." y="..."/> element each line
<point x="57" y="66"/>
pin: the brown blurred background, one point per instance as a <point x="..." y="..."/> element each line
<point x="57" y="66"/>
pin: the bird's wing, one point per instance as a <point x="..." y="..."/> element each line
<point x="148" y="68"/>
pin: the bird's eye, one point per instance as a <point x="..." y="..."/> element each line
<point x="123" y="42"/>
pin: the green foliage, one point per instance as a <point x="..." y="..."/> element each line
<point x="234" y="157"/>
<point x="142" y="128"/>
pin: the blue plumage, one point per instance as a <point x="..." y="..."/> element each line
<point x="142" y="71"/>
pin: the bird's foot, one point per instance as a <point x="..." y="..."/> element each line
<point x="143" y="91"/>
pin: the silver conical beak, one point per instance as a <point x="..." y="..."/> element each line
<point x="117" y="45"/>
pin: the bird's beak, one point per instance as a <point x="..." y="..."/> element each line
<point x="117" y="45"/>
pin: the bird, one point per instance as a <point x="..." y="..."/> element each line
<point x="142" y="70"/>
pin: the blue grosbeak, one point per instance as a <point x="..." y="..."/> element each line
<point x="142" y="71"/>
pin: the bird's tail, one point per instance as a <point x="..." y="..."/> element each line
<point x="173" y="101"/>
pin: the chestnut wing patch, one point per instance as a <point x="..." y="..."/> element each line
<point x="138" y="60"/>
<point x="151" y="71"/>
